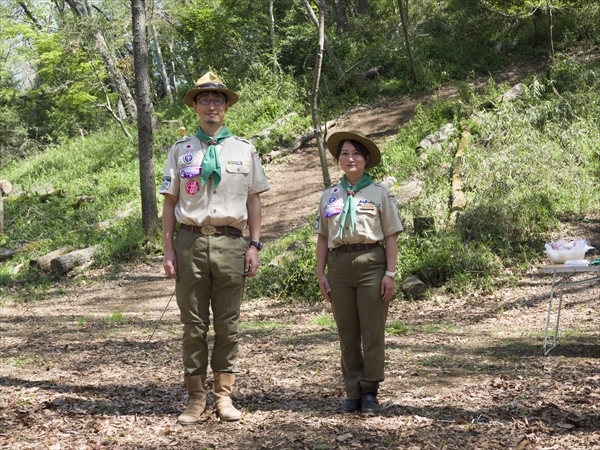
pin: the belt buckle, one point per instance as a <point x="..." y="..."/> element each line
<point x="208" y="230"/>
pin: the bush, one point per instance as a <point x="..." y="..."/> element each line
<point x="291" y="270"/>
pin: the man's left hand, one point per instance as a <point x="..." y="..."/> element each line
<point x="251" y="263"/>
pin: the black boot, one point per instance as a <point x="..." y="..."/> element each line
<point x="349" y="406"/>
<point x="368" y="400"/>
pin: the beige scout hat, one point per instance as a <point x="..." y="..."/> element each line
<point x="334" y="139"/>
<point x="209" y="82"/>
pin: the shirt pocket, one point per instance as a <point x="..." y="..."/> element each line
<point x="367" y="219"/>
<point x="238" y="167"/>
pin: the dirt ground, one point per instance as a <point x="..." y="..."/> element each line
<point x="87" y="367"/>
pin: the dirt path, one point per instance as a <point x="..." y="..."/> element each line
<point x="78" y="369"/>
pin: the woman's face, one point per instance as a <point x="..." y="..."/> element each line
<point x="351" y="161"/>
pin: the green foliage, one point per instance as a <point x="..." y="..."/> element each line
<point x="116" y="317"/>
<point x="264" y="101"/>
<point x="291" y="270"/>
<point x="443" y="259"/>
<point x="325" y="321"/>
<point x="63" y="193"/>
<point x="397" y="327"/>
<point x="529" y="165"/>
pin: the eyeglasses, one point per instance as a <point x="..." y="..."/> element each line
<point x="205" y="101"/>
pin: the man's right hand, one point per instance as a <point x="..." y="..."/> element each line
<point x="170" y="264"/>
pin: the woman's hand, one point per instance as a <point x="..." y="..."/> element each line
<point x="388" y="287"/>
<point x="324" y="286"/>
<point x="170" y="264"/>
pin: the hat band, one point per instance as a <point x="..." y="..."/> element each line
<point x="211" y="85"/>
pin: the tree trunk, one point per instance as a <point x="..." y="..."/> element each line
<point x="144" y="120"/>
<point x="273" y="41"/>
<point x="172" y="59"/>
<point x="340" y="15"/>
<point x="297" y="144"/>
<point x="459" y="200"/>
<point x="116" y="77"/>
<point x="161" y="64"/>
<point x="267" y="131"/>
<point x="550" y="26"/>
<point x="403" y="15"/>
<point x="412" y="286"/>
<point x="363" y="7"/>
<point x="43" y="262"/>
<point x="5" y="189"/>
<point x="334" y="60"/>
<point x="63" y="264"/>
<point x="314" y="98"/>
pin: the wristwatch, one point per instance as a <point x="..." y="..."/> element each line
<point x="257" y="244"/>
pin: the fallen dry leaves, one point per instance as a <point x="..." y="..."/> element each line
<point x="77" y="372"/>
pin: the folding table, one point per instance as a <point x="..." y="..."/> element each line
<point x="560" y="277"/>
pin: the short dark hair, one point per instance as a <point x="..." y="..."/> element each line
<point x="357" y="145"/>
<point x="205" y="93"/>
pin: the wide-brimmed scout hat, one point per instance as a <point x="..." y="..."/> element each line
<point x="334" y="139"/>
<point x="209" y="82"/>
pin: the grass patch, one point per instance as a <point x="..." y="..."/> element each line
<point x="325" y="321"/>
<point x="397" y="328"/>
<point x="116" y="317"/>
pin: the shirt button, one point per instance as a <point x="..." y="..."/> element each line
<point x="214" y="192"/>
<point x="214" y="210"/>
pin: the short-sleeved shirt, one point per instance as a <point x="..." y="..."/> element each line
<point x="376" y="215"/>
<point x="241" y="174"/>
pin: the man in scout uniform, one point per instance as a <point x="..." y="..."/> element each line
<point x="211" y="187"/>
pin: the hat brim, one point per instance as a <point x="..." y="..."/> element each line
<point x="334" y="139"/>
<point x="232" y="97"/>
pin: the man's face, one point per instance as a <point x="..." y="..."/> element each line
<point x="210" y="114"/>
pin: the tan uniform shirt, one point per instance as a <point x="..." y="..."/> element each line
<point x="376" y="215"/>
<point x="241" y="174"/>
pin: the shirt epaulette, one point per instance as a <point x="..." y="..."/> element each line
<point x="183" y="139"/>
<point x="333" y="186"/>
<point x="243" y="140"/>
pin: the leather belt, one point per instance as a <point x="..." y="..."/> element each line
<point x="210" y="230"/>
<point x="347" y="248"/>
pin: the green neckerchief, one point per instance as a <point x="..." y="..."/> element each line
<point x="349" y="204"/>
<point x="211" y="164"/>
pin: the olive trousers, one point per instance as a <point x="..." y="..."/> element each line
<point x="360" y="315"/>
<point x="211" y="277"/>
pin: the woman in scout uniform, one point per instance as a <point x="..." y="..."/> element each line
<point x="357" y="225"/>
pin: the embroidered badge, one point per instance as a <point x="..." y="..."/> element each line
<point x="332" y="199"/>
<point x="188" y="157"/>
<point x="189" y="146"/>
<point x="192" y="187"/>
<point x="166" y="183"/>
<point x="333" y="210"/>
<point x="190" y="171"/>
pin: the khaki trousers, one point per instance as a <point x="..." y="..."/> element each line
<point x="360" y="315"/>
<point x="211" y="277"/>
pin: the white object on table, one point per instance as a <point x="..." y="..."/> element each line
<point x="577" y="262"/>
<point x="565" y="272"/>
